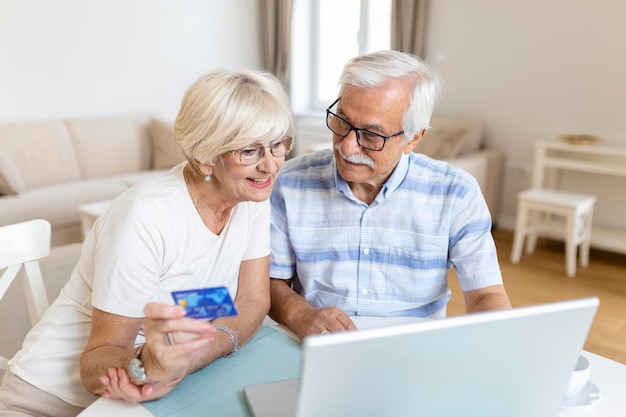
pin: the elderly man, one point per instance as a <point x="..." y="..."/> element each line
<point x="371" y="228"/>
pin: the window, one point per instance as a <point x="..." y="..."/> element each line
<point x="325" y="35"/>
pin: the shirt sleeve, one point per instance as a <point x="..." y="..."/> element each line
<point x="128" y="255"/>
<point x="472" y="249"/>
<point x="282" y="260"/>
<point x="258" y="243"/>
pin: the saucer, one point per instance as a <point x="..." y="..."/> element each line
<point x="589" y="395"/>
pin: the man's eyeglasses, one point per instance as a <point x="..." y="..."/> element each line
<point x="253" y="154"/>
<point x="365" y="138"/>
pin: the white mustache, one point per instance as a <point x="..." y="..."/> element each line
<point x="357" y="158"/>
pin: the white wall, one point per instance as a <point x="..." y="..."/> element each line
<point x="69" y="58"/>
<point x="533" y="69"/>
<point x="529" y="69"/>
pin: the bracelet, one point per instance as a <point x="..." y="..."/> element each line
<point x="233" y="338"/>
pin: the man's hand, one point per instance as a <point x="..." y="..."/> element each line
<point x="310" y="321"/>
<point x="292" y="310"/>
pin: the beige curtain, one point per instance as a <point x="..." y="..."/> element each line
<point x="408" y="26"/>
<point x="276" y="37"/>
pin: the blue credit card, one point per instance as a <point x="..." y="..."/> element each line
<point x="206" y="303"/>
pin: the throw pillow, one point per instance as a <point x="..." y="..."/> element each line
<point x="11" y="181"/>
<point x="441" y="143"/>
<point x="165" y="151"/>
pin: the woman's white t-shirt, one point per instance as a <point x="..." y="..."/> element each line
<point x="150" y="242"/>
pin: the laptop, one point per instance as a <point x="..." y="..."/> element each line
<point x="513" y="363"/>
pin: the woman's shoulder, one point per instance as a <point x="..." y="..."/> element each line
<point x="161" y="195"/>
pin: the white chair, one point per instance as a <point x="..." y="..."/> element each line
<point x="536" y="211"/>
<point x="21" y="247"/>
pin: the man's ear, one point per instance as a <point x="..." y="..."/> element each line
<point x="408" y="147"/>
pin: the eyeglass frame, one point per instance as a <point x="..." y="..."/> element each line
<point x="357" y="130"/>
<point x="263" y="148"/>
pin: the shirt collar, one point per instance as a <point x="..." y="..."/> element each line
<point x="397" y="176"/>
<point x="392" y="183"/>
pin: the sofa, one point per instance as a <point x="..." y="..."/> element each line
<point x="459" y="141"/>
<point x="50" y="168"/>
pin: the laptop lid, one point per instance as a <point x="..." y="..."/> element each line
<point x="513" y="363"/>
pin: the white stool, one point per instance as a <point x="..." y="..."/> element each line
<point x="535" y="206"/>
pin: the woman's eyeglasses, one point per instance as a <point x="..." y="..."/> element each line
<point x="253" y="154"/>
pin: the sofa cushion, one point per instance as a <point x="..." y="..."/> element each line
<point x="35" y="203"/>
<point x="133" y="178"/>
<point x="111" y="145"/>
<point x="41" y="153"/>
<point x="165" y="151"/>
<point x="441" y="143"/>
<point x="11" y="182"/>
<point x="473" y="131"/>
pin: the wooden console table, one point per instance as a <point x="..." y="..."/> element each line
<point x="552" y="156"/>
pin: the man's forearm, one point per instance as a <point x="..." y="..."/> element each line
<point x="487" y="299"/>
<point x="285" y="301"/>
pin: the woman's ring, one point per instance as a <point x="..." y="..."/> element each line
<point x="169" y="338"/>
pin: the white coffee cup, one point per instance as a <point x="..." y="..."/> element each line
<point x="579" y="377"/>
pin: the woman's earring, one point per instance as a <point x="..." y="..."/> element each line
<point x="207" y="178"/>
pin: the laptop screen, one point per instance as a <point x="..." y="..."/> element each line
<point x="506" y="363"/>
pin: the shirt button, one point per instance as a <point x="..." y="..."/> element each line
<point x="366" y="251"/>
<point x="364" y="291"/>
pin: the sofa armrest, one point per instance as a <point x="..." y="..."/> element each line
<point x="486" y="166"/>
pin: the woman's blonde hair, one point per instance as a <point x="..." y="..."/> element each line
<point x="229" y="110"/>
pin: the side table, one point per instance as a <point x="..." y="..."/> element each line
<point x="89" y="213"/>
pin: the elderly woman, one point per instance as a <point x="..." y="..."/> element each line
<point x="114" y="330"/>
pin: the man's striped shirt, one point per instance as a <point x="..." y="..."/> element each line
<point x="389" y="258"/>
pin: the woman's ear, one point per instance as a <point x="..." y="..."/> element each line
<point x="205" y="169"/>
<point x="408" y="147"/>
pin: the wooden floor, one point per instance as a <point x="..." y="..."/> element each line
<point x="541" y="278"/>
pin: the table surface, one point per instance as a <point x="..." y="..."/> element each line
<point x="551" y="156"/>
<point x="273" y="354"/>
<point x="583" y="148"/>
